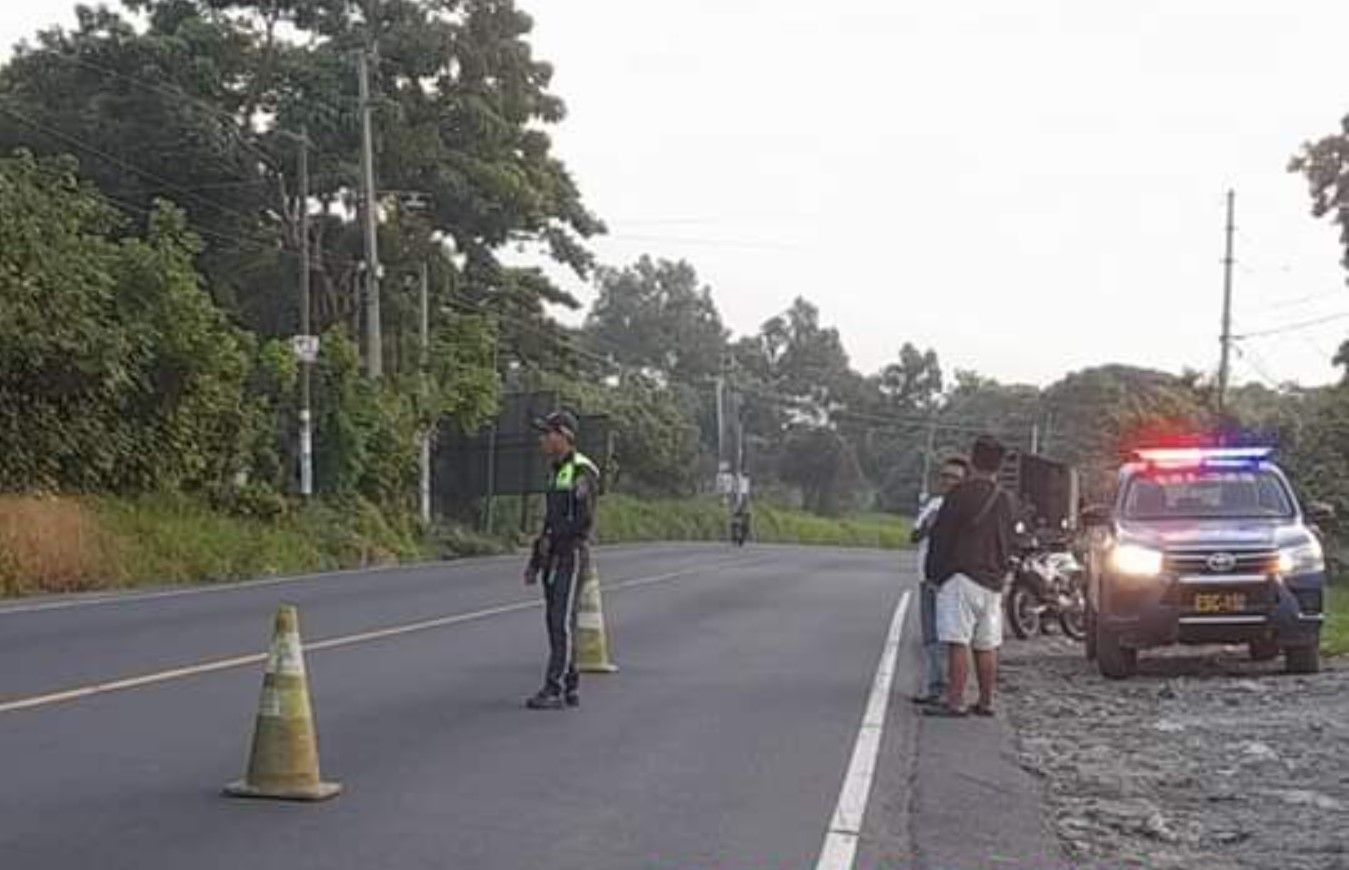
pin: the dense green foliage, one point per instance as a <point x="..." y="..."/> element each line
<point x="116" y="371"/>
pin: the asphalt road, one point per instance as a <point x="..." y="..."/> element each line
<point x="723" y="742"/>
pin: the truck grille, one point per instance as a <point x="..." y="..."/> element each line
<point x="1242" y="562"/>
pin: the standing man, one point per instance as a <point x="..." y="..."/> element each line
<point x="969" y="560"/>
<point x="951" y="475"/>
<point x="562" y="555"/>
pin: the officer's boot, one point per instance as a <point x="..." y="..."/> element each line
<point x="545" y="699"/>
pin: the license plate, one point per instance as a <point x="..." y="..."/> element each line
<point x="1219" y="602"/>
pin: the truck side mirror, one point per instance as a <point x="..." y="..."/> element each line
<point x="1096" y="515"/>
<point x="1321" y="513"/>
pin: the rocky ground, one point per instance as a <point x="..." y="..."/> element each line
<point x="1205" y="759"/>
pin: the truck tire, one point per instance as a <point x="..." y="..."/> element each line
<point x="1115" y="660"/>
<point x="1266" y="650"/>
<point x="1302" y="659"/>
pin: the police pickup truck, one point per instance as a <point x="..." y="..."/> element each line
<point x="1201" y="546"/>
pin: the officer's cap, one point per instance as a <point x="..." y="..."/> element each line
<point x="559" y="421"/>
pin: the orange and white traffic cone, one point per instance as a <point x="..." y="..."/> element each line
<point x="283" y="763"/>
<point x="592" y="644"/>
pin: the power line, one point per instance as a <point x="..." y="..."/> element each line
<point x="1294" y="327"/>
<point x="1283" y="304"/>
<point x="117" y="161"/>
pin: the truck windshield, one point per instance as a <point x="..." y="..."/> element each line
<point x="1198" y="493"/>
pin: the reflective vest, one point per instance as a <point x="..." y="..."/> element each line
<point x="565" y="480"/>
<point x="570" y="517"/>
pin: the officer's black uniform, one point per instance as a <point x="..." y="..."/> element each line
<point x="562" y="556"/>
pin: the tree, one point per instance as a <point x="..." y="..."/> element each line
<point x="913" y="383"/>
<point x="654" y="316"/>
<point x="116" y="371"/>
<point x="173" y="110"/>
<point x="1098" y="414"/>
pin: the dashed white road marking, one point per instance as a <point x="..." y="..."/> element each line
<point x="225" y="664"/>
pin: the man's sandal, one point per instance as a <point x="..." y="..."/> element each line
<point x="945" y="712"/>
<point x="981" y="710"/>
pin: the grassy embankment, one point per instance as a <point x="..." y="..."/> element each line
<point x="1335" y="633"/>
<point x="68" y="545"/>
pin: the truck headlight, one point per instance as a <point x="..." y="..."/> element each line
<point x="1305" y="558"/>
<point x="1134" y="560"/>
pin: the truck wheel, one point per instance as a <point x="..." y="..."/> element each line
<point x="1302" y="659"/>
<point x="1089" y="630"/>
<point x="1115" y="660"/>
<point x="1265" y="650"/>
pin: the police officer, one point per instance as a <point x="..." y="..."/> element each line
<point x="562" y="554"/>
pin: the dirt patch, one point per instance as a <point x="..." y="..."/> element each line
<point x="1205" y="759"/>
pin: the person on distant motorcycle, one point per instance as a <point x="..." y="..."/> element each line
<point x="952" y="473"/>
<point x="740" y="519"/>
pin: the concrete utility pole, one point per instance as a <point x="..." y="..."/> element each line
<point x="923" y="491"/>
<point x="374" y="344"/>
<point x="306" y="364"/>
<point x="721" y="426"/>
<point x="304" y="346"/>
<point x="1228" y="263"/>
<point x="425" y="361"/>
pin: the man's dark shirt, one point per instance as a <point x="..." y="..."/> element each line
<point x="979" y="550"/>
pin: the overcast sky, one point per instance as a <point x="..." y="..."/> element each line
<point x="1027" y="186"/>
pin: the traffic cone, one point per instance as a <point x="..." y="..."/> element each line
<point x="592" y="645"/>
<point x="284" y="761"/>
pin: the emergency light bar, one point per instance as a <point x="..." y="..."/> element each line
<point x="1203" y="455"/>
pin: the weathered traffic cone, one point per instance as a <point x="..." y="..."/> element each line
<point x="592" y="644"/>
<point x="284" y="761"/>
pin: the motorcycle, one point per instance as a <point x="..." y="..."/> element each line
<point x="1048" y="587"/>
<point x="739" y="529"/>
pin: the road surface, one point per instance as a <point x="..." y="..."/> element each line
<point x="727" y="740"/>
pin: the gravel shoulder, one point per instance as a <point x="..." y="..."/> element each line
<point x="1206" y="759"/>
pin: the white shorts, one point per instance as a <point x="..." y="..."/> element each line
<point x="969" y="614"/>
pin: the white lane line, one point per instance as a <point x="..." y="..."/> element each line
<point x="840" y="843"/>
<point x="230" y="586"/>
<point x="330" y="643"/>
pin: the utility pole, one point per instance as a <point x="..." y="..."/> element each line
<point x="1228" y="263"/>
<point x="425" y="293"/>
<point x="374" y="346"/>
<point x="721" y="427"/>
<point x="489" y="505"/>
<point x="306" y="363"/>
<point x="304" y="345"/>
<point x="923" y="491"/>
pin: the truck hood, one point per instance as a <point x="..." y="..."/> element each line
<point x="1242" y="533"/>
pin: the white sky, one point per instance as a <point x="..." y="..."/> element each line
<point x="1029" y="186"/>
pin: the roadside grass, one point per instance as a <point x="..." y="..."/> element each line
<point x="1335" y="633"/>
<point x="69" y="544"/>
<point x="52" y="545"/>
<point x="624" y="519"/>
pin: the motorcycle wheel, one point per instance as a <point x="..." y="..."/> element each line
<point x="1023" y="612"/>
<point x="1074" y="622"/>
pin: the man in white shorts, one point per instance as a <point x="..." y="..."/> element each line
<point x="968" y="560"/>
